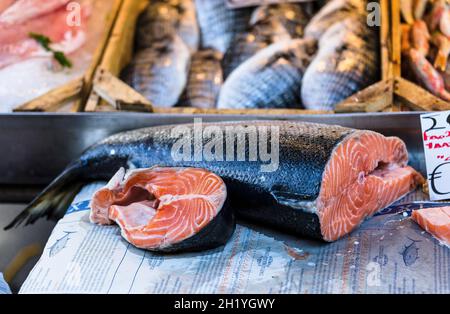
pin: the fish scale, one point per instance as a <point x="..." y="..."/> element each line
<point x="269" y="79"/>
<point x="318" y="190"/>
<point x="346" y="63"/>
<point x="205" y="80"/>
<point x="162" y="18"/>
<point x="268" y="24"/>
<point x="219" y="24"/>
<point x="333" y="12"/>
<point x="160" y="74"/>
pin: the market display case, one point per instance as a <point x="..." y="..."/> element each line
<point x="353" y="172"/>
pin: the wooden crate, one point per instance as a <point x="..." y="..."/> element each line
<point x="119" y="53"/>
<point x="408" y="95"/>
<point x="77" y="90"/>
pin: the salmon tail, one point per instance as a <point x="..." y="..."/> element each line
<point x="54" y="201"/>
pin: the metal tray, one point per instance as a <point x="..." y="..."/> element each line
<point x="36" y="146"/>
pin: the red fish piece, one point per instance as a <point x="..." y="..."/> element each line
<point x="435" y="221"/>
<point x="159" y="207"/>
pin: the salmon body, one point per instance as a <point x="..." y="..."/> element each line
<point x="435" y="221"/>
<point x="326" y="181"/>
<point x="166" y="209"/>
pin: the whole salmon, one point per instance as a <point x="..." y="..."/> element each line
<point x="317" y="180"/>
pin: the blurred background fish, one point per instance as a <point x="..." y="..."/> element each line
<point x="204" y="81"/>
<point x="164" y="17"/>
<point x="346" y="63"/>
<point x="219" y="24"/>
<point x="270" y="79"/>
<point x="333" y="12"/>
<point x="160" y="71"/>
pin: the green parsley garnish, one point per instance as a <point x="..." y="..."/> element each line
<point x="45" y="42"/>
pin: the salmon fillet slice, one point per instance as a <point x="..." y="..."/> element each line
<point x="366" y="173"/>
<point x="166" y="209"/>
<point x="435" y="221"/>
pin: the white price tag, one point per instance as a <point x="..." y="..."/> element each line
<point x="436" y="140"/>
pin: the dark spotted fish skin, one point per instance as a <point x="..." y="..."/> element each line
<point x="347" y="62"/>
<point x="247" y="44"/>
<point x="164" y="17"/>
<point x="293" y="16"/>
<point x="268" y="24"/>
<point x="332" y="12"/>
<point x="270" y="79"/>
<point x="160" y="71"/>
<point x="205" y="79"/>
<point x="219" y="24"/>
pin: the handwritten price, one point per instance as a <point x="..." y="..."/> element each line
<point x="437" y="148"/>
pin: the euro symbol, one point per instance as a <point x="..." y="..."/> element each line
<point x="437" y="175"/>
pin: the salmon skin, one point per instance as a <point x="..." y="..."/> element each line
<point x="328" y="179"/>
<point x="166" y="209"/>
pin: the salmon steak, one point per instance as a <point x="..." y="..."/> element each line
<point x="435" y="221"/>
<point x="307" y="179"/>
<point x="166" y="209"/>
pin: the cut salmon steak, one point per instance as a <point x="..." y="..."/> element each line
<point x="166" y="209"/>
<point x="366" y="173"/>
<point x="435" y="221"/>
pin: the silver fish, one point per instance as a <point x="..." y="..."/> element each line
<point x="160" y="71"/>
<point x="333" y="11"/>
<point x="270" y="79"/>
<point x="346" y="63"/>
<point x="293" y="16"/>
<point x="205" y="79"/>
<point x="246" y="45"/>
<point x="219" y="24"/>
<point x="164" y="17"/>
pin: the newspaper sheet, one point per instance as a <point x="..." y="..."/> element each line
<point x="389" y="253"/>
<point x="4" y="288"/>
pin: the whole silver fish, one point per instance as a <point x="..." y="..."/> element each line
<point x="347" y="62"/>
<point x="160" y="71"/>
<point x="268" y="24"/>
<point x="270" y="79"/>
<point x="164" y="17"/>
<point x="205" y="79"/>
<point x="333" y="11"/>
<point x="293" y="16"/>
<point x="246" y="45"/>
<point x="219" y="24"/>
